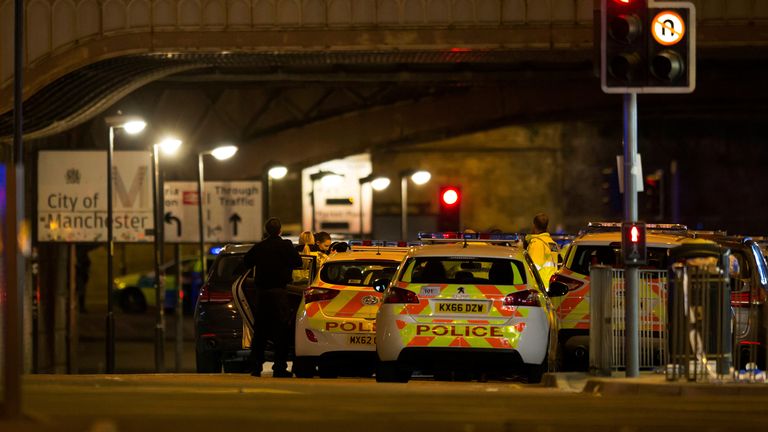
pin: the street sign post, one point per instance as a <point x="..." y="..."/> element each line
<point x="72" y="197"/>
<point x="232" y="211"/>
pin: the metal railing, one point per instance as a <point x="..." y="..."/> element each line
<point x="700" y="322"/>
<point x="607" y="330"/>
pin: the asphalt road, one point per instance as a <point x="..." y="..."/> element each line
<point x="218" y="403"/>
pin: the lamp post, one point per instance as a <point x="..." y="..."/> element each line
<point x="323" y="175"/>
<point x="275" y="172"/>
<point x="132" y="126"/>
<point x="219" y="153"/>
<point x="378" y="183"/>
<point x="418" y="177"/>
<point x="168" y="146"/>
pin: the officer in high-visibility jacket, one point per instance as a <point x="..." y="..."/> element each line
<point x="542" y="249"/>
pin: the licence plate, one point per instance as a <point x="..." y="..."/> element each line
<point x="362" y="340"/>
<point x="462" y="308"/>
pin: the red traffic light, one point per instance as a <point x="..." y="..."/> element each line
<point x="450" y="196"/>
<point x="634" y="234"/>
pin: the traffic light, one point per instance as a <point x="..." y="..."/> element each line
<point x="449" y="218"/>
<point x="633" y="243"/>
<point x="647" y="47"/>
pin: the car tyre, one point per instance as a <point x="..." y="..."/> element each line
<point x="392" y="371"/>
<point x="208" y="362"/>
<point x="304" y="367"/>
<point x="327" y="370"/>
<point x="132" y="301"/>
<point x="534" y="372"/>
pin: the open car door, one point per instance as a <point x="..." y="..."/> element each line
<point x="244" y="292"/>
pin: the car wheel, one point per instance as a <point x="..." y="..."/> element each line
<point x="132" y="300"/>
<point x="208" y="362"/>
<point x="327" y="370"/>
<point x="303" y="367"/>
<point x="534" y="372"/>
<point x="392" y="371"/>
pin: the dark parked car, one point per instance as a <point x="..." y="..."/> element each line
<point x="221" y="339"/>
<point x="218" y="326"/>
<point x="749" y="292"/>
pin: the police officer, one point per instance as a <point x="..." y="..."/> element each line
<point x="273" y="260"/>
<point x="542" y="249"/>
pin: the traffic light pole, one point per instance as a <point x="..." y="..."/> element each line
<point x="631" y="273"/>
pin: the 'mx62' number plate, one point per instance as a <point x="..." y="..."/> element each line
<point x="362" y="340"/>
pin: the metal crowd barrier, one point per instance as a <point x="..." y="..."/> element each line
<point x="607" y="333"/>
<point x="700" y="321"/>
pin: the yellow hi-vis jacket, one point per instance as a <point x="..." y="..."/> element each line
<point x="543" y="252"/>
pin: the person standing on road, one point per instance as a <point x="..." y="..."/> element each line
<point x="306" y="243"/>
<point x="273" y="260"/>
<point x="323" y="243"/>
<point x="542" y="249"/>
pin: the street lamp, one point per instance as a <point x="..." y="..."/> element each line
<point x="168" y="146"/>
<point x="131" y="126"/>
<point x="220" y="153"/>
<point x="328" y="179"/>
<point x="274" y="172"/>
<point x="378" y="183"/>
<point x="419" y="177"/>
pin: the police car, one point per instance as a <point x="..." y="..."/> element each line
<point x="469" y="305"/>
<point x="335" y="322"/>
<point x="600" y="243"/>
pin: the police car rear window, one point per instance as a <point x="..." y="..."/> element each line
<point x="585" y="256"/>
<point x="357" y="273"/>
<point x="460" y="270"/>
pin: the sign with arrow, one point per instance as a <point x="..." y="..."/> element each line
<point x="232" y="212"/>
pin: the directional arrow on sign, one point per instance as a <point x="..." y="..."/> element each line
<point x="235" y="219"/>
<point x="170" y="218"/>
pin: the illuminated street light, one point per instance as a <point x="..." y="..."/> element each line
<point x="220" y="153"/>
<point x="378" y="183"/>
<point x="277" y="172"/>
<point x="224" y="152"/>
<point x="419" y="177"/>
<point x="168" y="146"/>
<point x="274" y="172"/>
<point x="335" y="180"/>
<point x="132" y="126"/>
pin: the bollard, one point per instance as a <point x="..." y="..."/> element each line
<point x="600" y="329"/>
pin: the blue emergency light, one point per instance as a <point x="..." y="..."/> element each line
<point x="216" y="250"/>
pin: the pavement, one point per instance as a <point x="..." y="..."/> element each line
<point x="648" y="383"/>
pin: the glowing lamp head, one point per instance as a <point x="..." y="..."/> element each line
<point x="277" y="172"/>
<point x="224" y="152"/>
<point x="169" y="146"/>
<point x="134" y="127"/>
<point x="421" y="177"/>
<point x="380" y="183"/>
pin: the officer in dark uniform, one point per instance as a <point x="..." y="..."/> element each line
<point x="273" y="259"/>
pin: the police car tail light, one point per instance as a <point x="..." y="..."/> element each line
<point x="400" y="295"/>
<point x="522" y="298"/>
<point x="572" y="284"/>
<point x="209" y="296"/>
<point x="310" y="335"/>
<point x="319" y="294"/>
<point x="741" y="299"/>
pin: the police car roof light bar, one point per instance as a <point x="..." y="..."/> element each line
<point x="451" y="237"/>
<point x="616" y="226"/>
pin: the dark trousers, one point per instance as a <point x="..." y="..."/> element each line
<point x="272" y="316"/>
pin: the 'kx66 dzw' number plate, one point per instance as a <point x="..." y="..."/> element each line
<point x="362" y="340"/>
<point x="462" y="308"/>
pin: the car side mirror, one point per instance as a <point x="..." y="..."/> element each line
<point x="380" y="285"/>
<point x="557" y="289"/>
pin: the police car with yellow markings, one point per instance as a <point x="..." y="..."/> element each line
<point x="335" y="323"/>
<point x="474" y="304"/>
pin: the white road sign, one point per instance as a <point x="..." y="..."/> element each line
<point x="232" y="211"/>
<point x="180" y="219"/>
<point x="72" y="196"/>
<point x="668" y="28"/>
